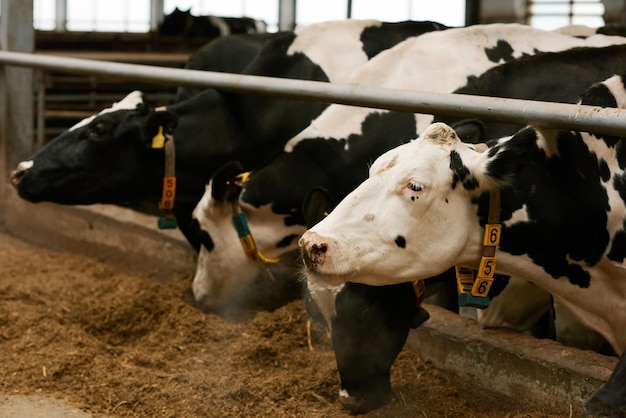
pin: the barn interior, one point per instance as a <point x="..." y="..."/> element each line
<point x="37" y="105"/>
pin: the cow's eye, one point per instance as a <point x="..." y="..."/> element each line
<point x="96" y="130"/>
<point x="415" y="187"/>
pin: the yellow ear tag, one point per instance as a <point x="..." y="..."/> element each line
<point x="159" y="140"/>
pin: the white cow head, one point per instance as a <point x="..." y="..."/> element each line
<point x="413" y="218"/>
<point x="224" y="270"/>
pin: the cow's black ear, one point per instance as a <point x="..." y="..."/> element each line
<point x="163" y="119"/>
<point x="317" y="204"/>
<point x="225" y="183"/>
<point x="168" y="120"/>
<point x="471" y="131"/>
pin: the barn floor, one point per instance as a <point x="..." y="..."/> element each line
<point x="118" y="343"/>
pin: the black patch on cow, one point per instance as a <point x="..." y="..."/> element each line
<point x="600" y="95"/>
<point x="202" y="235"/>
<point x="286" y="241"/>
<point x="376" y="39"/>
<point x="460" y="173"/>
<point x="565" y="200"/>
<point x="501" y="52"/>
<point x="605" y="172"/>
<point x="618" y="247"/>
<point x="338" y="165"/>
<point x="400" y="241"/>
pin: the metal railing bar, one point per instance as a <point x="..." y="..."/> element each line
<point x="557" y="115"/>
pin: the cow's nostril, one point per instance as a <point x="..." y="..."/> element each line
<point x="17" y="176"/>
<point x="319" y="248"/>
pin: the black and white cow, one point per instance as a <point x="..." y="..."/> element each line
<point x="183" y="23"/>
<point x="540" y="77"/>
<point x="108" y="158"/>
<point x="562" y="211"/>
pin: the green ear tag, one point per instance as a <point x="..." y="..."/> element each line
<point x="167" y="223"/>
<point x="158" y="141"/>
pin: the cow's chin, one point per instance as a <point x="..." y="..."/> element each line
<point x="326" y="279"/>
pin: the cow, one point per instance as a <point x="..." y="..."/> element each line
<point x="552" y="203"/>
<point x="272" y="199"/>
<point x="539" y="77"/>
<point x="108" y="158"/>
<point x="183" y="23"/>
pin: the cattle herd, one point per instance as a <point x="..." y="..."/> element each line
<point x="259" y="177"/>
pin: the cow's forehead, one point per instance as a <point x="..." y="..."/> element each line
<point x="436" y="141"/>
<point x="130" y="102"/>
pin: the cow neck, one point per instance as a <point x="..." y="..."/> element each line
<point x="165" y="140"/>
<point x="243" y="231"/>
<point x="474" y="285"/>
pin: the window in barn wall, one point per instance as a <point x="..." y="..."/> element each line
<point x="447" y="12"/>
<point x="552" y="14"/>
<point x="108" y="15"/>
<point x="265" y="10"/>
<point x="44" y="14"/>
<point x="313" y="11"/>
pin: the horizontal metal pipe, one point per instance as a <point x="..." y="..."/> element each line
<point x="557" y="115"/>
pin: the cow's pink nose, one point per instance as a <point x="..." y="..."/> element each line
<point x="16" y="176"/>
<point x="313" y="251"/>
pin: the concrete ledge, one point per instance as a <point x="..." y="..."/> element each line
<point x="520" y="366"/>
<point x="117" y="234"/>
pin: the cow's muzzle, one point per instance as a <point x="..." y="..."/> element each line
<point x="18" y="174"/>
<point x="313" y="251"/>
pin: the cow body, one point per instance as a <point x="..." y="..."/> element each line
<point x="108" y="158"/>
<point x="563" y="214"/>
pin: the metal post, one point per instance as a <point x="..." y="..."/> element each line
<point x="286" y="14"/>
<point x="156" y="14"/>
<point x="61" y="16"/>
<point x="16" y="140"/>
<point x="18" y="35"/>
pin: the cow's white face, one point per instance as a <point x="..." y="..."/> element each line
<point x="226" y="270"/>
<point x="413" y="218"/>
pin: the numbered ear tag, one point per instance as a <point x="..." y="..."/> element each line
<point x="464" y="279"/>
<point x="169" y="193"/>
<point x="158" y="141"/>
<point x="492" y="235"/>
<point x="487" y="267"/>
<point x="481" y="287"/>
